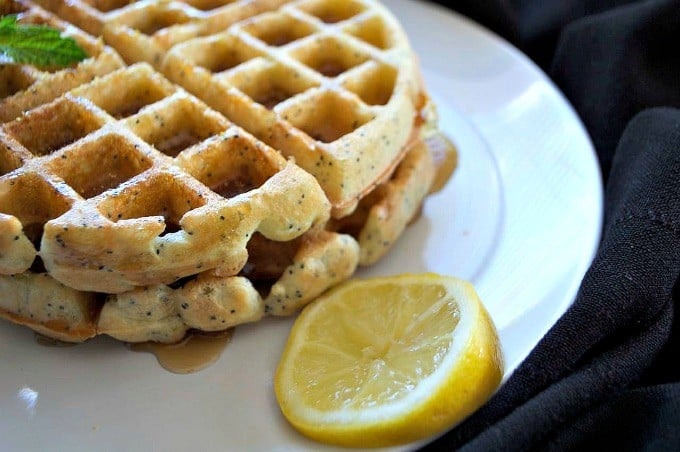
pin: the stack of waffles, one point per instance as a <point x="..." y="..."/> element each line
<point x="211" y="162"/>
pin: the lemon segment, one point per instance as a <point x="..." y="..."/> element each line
<point x="388" y="361"/>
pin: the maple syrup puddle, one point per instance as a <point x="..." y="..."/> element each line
<point x="445" y="157"/>
<point x="195" y="352"/>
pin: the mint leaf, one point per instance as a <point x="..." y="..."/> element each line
<point x="38" y="45"/>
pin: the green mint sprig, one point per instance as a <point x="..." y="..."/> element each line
<point x="38" y="45"/>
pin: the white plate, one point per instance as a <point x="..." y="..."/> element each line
<point x="521" y="219"/>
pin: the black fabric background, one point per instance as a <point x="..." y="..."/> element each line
<point x="607" y="375"/>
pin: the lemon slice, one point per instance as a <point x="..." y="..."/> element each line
<point x="388" y="361"/>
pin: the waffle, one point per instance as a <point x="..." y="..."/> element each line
<point x="382" y="216"/>
<point x="145" y="30"/>
<point x="304" y="80"/>
<point x="130" y="189"/>
<point x="332" y="83"/>
<point x="235" y="161"/>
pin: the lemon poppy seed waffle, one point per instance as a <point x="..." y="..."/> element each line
<point x="129" y="207"/>
<point x="332" y="83"/>
<point x="128" y="184"/>
<point x="145" y="30"/>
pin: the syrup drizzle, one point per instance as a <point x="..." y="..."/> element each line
<point x="445" y="158"/>
<point x="195" y="352"/>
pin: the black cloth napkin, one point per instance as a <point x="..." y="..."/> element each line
<point x="607" y="375"/>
